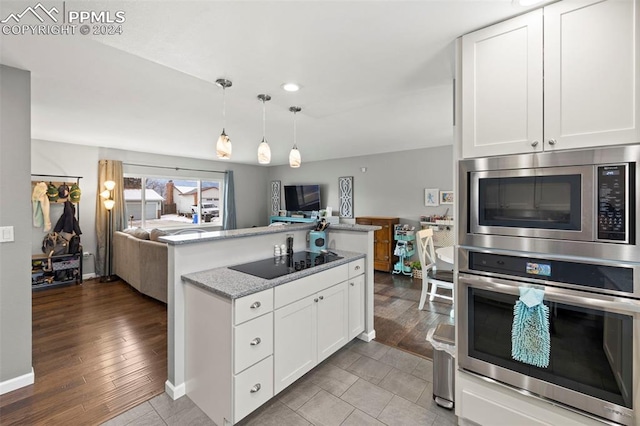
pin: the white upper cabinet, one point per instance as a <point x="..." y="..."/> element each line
<point x="579" y="73"/>
<point x="590" y="73"/>
<point x="502" y="88"/>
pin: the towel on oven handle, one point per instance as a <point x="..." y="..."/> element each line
<point x="530" y="337"/>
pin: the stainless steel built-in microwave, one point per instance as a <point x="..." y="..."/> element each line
<point x="575" y="200"/>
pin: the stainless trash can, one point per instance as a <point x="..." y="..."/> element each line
<point x="443" y="362"/>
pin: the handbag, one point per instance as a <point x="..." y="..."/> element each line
<point x="54" y="244"/>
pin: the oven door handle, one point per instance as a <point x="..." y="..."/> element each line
<point x="555" y="294"/>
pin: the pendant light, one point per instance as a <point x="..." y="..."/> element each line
<point x="294" y="156"/>
<point x="264" y="152"/>
<point x="223" y="147"/>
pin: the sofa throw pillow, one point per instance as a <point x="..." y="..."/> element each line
<point x="143" y="234"/>
<point x="155" y="233"/>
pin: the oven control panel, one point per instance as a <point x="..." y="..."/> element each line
<point x="613" y="203"/>
<point x="549" y="271"/>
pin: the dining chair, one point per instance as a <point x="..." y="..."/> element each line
<point x="430" y="273"/>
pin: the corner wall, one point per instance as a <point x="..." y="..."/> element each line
<point x="15" y="210"/>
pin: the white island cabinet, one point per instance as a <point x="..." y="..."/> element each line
<point x="311" y="323"/>
<point x="241" y="352"/>
<point x="357" y="301"/>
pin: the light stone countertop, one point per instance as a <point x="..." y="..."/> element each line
<point x="198" y="237"/>
<point x="233" y="284"/>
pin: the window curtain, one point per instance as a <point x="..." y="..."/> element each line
<point x="229" y="219"/>
<point x="108" y="170"/>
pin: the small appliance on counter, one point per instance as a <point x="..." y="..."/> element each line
<point x="317" y="241"/>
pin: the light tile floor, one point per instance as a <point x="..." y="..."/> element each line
<point x="362" y="384"/>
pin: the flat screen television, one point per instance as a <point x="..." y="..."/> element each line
<point x="302" y="198"/>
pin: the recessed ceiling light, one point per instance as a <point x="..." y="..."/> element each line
<point x="291" y="87"/>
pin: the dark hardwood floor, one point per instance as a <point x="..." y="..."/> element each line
<point x="98" y="350"/>
<point x="397" y="320"/>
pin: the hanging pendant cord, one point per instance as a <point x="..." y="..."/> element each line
<point x="264" y="119"/>
<point x="295" y="144"/>
<point x="224" y="107"/>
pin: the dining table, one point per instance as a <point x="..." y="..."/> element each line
<point x="446" y="254"/>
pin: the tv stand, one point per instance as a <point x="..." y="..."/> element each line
<point x="290" y="219"/>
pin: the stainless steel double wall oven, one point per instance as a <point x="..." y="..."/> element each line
<point x="564" y="222"/>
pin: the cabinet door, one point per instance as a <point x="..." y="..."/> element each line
<point x="382" y="242"/>
<point x="295" y="343"/>
<point x="333" y="319"/>
<point x="591" y="80"/>
<point x="356" y="306"/>
<point x="502" y="88"/>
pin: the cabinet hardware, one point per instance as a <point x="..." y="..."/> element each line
<point x="255" y="388"/>
<point x="534" y="144"/>
<point x="357" y="268"/>
<point x="256" y="305"/>
<point x="315" y="300"/>
<point x="352" y="284"/>
<point x="255" y="341"/>
<point x="552" y="142"/>
<point x="321" y="297"/>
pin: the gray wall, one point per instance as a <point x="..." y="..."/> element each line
<point x="393" y="184"/>
<point x="80" y="160"/>
<point x="15" y="210"/>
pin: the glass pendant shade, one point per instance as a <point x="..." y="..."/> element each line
<point x="108" y="204"/>
<point x="294" y="158"/>
<point x="264" y="152"/>
<point x="105" y="194"/>
<point x="109" y="184"/>
<point x="223" y="147"/>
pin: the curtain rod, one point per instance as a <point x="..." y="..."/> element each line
<point x="57" y="176"/>
<point x="174" y="168"/>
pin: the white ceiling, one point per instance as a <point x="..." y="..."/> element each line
<point x="376" y="76"/>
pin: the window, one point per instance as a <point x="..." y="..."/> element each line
<point x="172" y="202"/>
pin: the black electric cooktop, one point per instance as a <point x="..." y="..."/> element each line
<point x="279" y="266"/>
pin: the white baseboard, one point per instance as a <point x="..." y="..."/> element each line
<point x="88" y="276"/>
<point x="17" y="382"/>
<point x="175" y="392"/>
<point x="367" y="337"/>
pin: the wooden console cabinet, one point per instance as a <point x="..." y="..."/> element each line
<point x="383" y="242"/>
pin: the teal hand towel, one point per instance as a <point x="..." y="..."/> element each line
<point x="530" y="337"/>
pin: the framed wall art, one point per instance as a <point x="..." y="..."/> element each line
<point x="431" y="197"/>
<point x="446" y="197"/>
<point x="275" y="197"/>
<point x="345" y="188"/>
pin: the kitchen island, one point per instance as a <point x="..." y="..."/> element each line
<point x="202" y="253"/>
<point x="247" y="341"/>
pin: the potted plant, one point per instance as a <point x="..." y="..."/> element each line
<point x="416" y="268"/>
